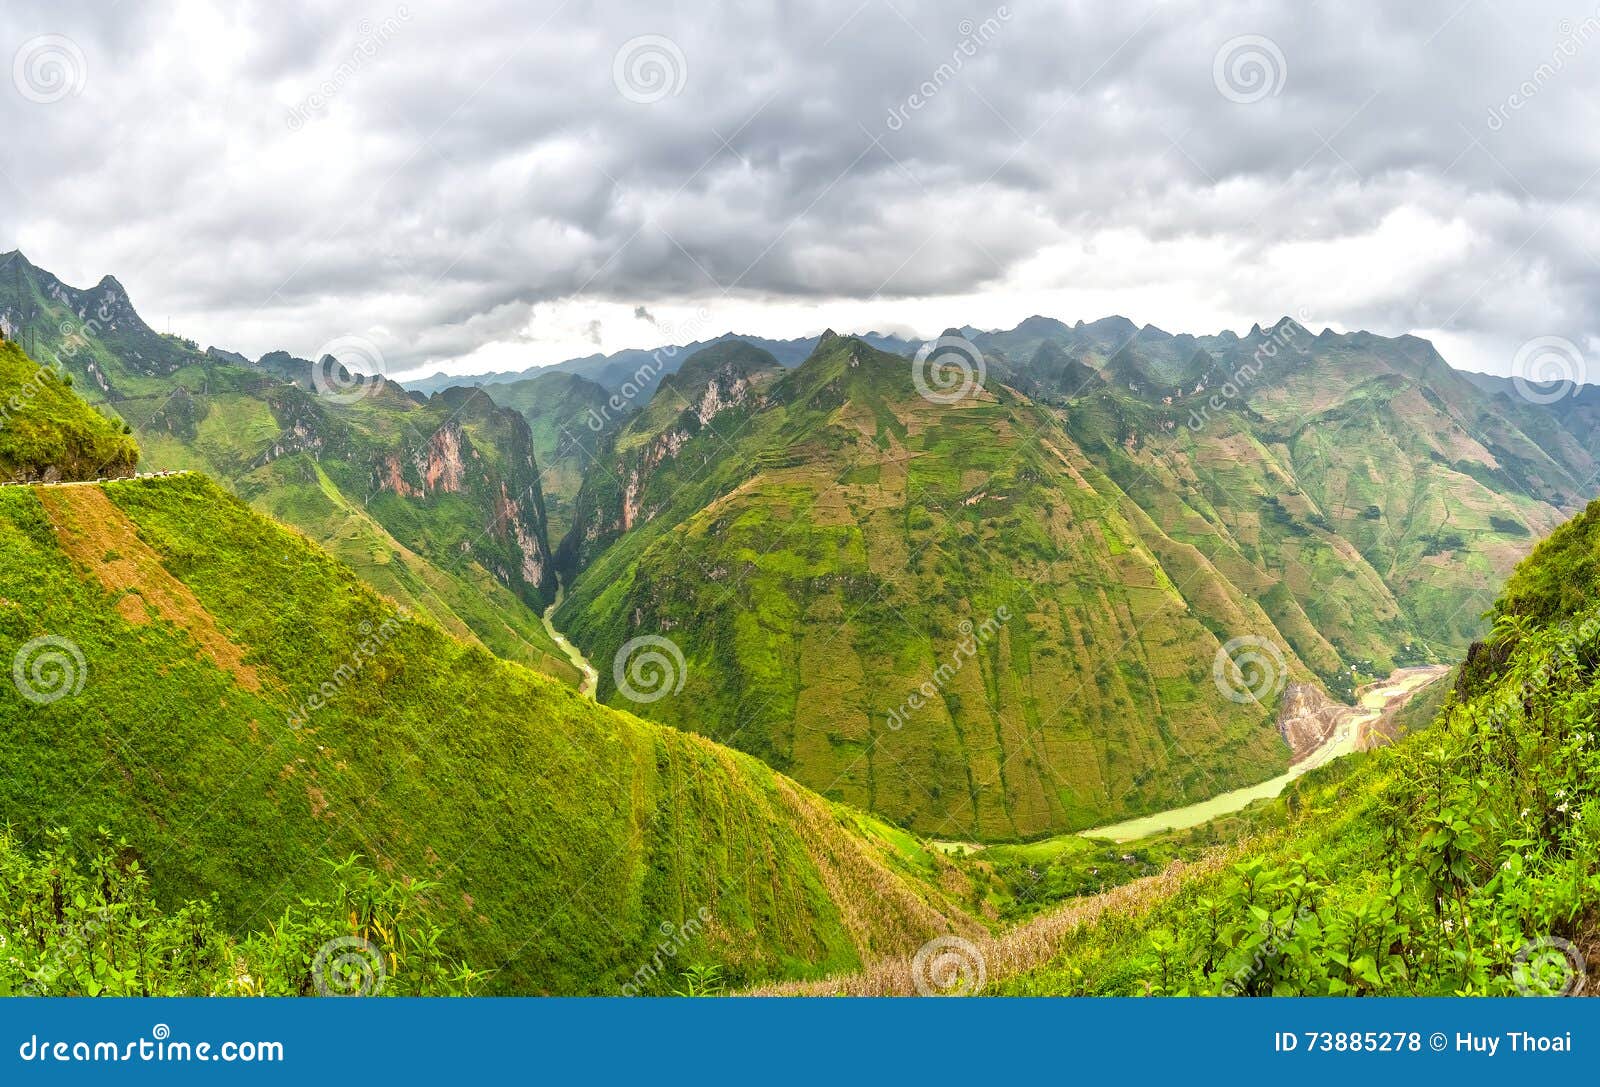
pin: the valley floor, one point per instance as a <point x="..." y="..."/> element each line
<point x="1376" y="703"/>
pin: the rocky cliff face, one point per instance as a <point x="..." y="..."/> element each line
<point x="1307" y="718"/>
<point x="711" y="384"/>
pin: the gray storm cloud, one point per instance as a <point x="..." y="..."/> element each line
<point x="276" y="175"/>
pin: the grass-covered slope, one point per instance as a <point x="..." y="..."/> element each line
<point x="47" y="432"/>
<point x="832" y="548"/>
<point x="240" y="707"/>
<point x="1466" y="859"/>
<point x="1354" y="480"/>
<point x="436" y="501"/>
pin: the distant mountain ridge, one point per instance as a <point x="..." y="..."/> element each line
<point x="643" y="368"/>
<point x="436" y="501"/>
<point x="1138" y="500"/>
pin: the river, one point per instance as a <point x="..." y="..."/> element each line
<point x="591" y="678"/>
<point x="1374" y="701"/>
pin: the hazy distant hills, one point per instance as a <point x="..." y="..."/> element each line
<point x="641" y="369"/>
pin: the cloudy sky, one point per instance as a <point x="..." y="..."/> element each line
<point x="485" y="186"/>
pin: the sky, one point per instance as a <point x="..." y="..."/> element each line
<point x="500" y="185"/>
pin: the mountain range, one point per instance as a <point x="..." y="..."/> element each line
<point x="997" y="616"/>
<point x="848" y="606"/>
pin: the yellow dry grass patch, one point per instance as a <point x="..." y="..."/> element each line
<point x="98" y="537"/>
<point x="1023" y="947"/>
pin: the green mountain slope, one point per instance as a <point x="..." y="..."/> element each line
<point x="1464" y="860"/>
<point x="1356" y="479"/>
<point x="436" y="501"/>
<point x="47" y="432"/>
<point x="238" y="706"/>
<point x="830" y="544"/>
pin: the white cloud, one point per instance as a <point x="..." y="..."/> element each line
<point x="473" y="185"/>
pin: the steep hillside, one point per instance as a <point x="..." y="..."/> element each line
<point x="567" y="416"/>
<point x="238" y="706"/>
<point x="47" y="432"/>
<point x="435" y="501"/>
<point x="1466" y="859"/>
<point x="945" y="614"/>
<point x="638" y="468"/>
<point x="1356" y="479"/>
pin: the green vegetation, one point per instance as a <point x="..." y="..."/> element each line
<point x="833" y="544"/>
<point x="1464" y="860"/>
<point x="85" y="923"/>
<point x="436" y="503"/>
<point x="249" y="710"/>
<point x="47" y="432"/>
